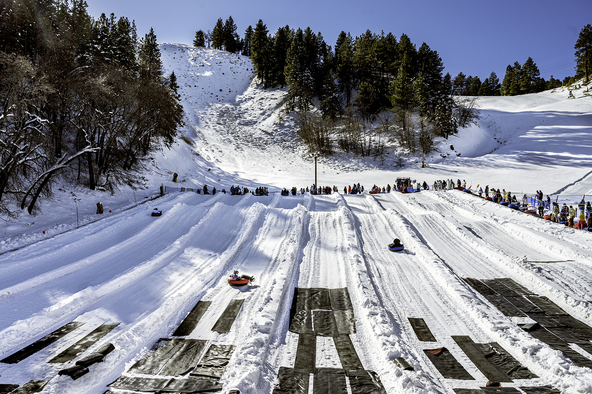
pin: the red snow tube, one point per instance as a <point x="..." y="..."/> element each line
<point x="489" y="198"/>
<point x="238" y="283"/>
<point x="547" y="217"/>
<point x="530" y="211"/>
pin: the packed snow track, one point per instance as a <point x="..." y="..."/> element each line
<point x="150" y="296"/>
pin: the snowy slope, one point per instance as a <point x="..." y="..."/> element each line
<point x="147" y="273"/>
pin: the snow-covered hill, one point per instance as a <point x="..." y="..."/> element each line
<point x="147" y="273"/>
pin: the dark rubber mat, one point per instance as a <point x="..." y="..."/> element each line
<point x="500" y="288"/>
<point x="214" y="362"/>
<point x="546" y="321"/>
<point x="153" y="361"/>
<point x="488" y="369"/>
<point x="514" y="286"/>
<point x="524" y="304"/>
<point x="488" y="390"/>
<point x="480" y="287"/>
<point x="165" y="385"/>
<point x="324" y="323"/>
<point x="421" y="329"/>
<point x="340" y="300"/>
<point x="8" y="388"/>
<point x="504" y="361"/>
<point x="188" y="352"/>
<point x="571" y="322"/>
<point x="34" y="386"/>
<point x="228" y="317"/>
<point x="329" y="381"/>
<point x="347" y="353"/>
<point x="447" y="365"/>
<point x="540" y="390"/>
<point x="306" y="353"/>
<point x="546" y="305"/>
<point x="41" y="343"/>
<point x="292" y="381"/>
<point x="82" y="345"/>
<point x="346" y="322"/>
<point x="504" y="306"/>
<point x="365" y="382"/>
<point x="192" y="319"/>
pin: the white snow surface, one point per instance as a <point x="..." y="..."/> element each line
<point x="68" y="264"/>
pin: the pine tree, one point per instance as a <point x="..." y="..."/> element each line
<point x="529" y="77"/>
<point x="229" y="37"/>
<point x="485" y="89"/>
<point x="260" y="51"/>
<point x="149" y="54"/>
<point x="583" y="53"/>
<point x="218" y="35"/>
<point x="247" y="41"/>
<point x="494" y="84"/>
<point x="200" y="39"/>
<point x="344" y="65"/>
<point x="406" y="49"/>
<point x="475" y="86"/>
<point x="458" y="84"/>
<point x="280" y="46"/>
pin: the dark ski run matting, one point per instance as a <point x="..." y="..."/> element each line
<point x="34" y="386"/>
<point x="488" y="369"/>
<point x="8" y="388"/>
<point x="340" y="300"/>
<point x="79" y="347"/>
<point x="166" y="385"/>
<point x="421" y="329"/>
<point x="306" y="353"/>
<point x="365" y="382"/>
<point x="499" y="286"/>
<point x="186" y="356"/>
<point x="504" y="361"/>
<point x="190" y="322"/>
<point x="347" y="353"/>
<point x="480" y="287"/>
<point x="153" y="361"/>
<point x="41" y="343"/>
<point x="214" y="362"/>
<point x="228" y="317"/>
<point x="324" y="323"/>
<point x="489" y="390"/>
<point x="346" y="322"/>
<point x="329" y="381"/>
<point x="524" y="305"/>
<point x="546" y="305"/>
<point x="292" y="381"/>
<point x="504" y="306"/>
<point x="540" y="390"/>
<point x="447" y="365"/>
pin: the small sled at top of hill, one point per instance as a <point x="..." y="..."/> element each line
<point x="243" y="280"/>
<point x="156" y="212"/>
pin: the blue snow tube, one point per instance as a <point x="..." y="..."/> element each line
<point x="396" y="248"/>
<point x="504" y="203"/>
<point x="514" y="206"/>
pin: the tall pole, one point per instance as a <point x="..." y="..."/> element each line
<point x="316" y="184"/>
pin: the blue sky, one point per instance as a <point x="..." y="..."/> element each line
<point x="472" y="36"/>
